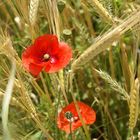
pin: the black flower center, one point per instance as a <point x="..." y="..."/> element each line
<point x="70" y="117"/>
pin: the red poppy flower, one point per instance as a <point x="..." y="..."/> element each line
<point x="46" y="54"/>
<point x="68" y="119"/>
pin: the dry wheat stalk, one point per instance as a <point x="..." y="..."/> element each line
<point x="8" y="50"/>
<point x="56" y="18"/>
<point x="134" y="104"/>
<point x="125" y="66"/>
<point x="106" y="40"/>
<point x="33" y="8"/>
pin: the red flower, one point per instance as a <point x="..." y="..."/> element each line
<point x="46" y="54"/>
<point x="68" y="119"/>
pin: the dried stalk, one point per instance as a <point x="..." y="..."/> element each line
<point x="125" y="66"/>
<point x="6" y="103"/>
<point x="111" y="62"/>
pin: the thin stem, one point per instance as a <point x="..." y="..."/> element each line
<point x="77" y="107"/>
<point x="45" y="89"/>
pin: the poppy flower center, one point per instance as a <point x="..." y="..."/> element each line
<point x="69" y="116"/>
<point x="46" y="56"/>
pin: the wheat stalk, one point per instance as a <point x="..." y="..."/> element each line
<point x="125" y="66"/>
<point x="134" y="104"/>
<point x="33" y="8"/>
<point x="106" y="40"/>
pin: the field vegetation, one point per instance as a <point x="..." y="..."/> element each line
<point x="103" y="72"/>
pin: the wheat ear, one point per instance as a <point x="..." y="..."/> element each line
<point x="106" y="40"/>
<point x="102" y="11"/>
<point x="33" y="8"/>
<point x="113" y="84"/>
<point x="134" y="104"/>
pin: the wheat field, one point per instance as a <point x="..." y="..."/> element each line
<point x="103" y="71"/>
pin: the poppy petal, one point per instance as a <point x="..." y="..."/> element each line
<point x="26" y="57"/>
<point x="87" y="113"/>
<point x="61" y="59"/>
<point x="66" y="127"/>
<point x="30" y="61"/>
<point x="35" y="69"/>
<point x="47" y="44"/>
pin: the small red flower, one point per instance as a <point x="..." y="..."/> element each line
<point x="68" y="117"/>
<point x="46" y="53"/>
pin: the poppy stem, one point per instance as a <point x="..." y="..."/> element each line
<point x="71" y="137"/>
<point x="45" y="89"/>
<point x="71" y="130"/>
<point x="37" y="87"/>
<point x="77" y="107"/>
